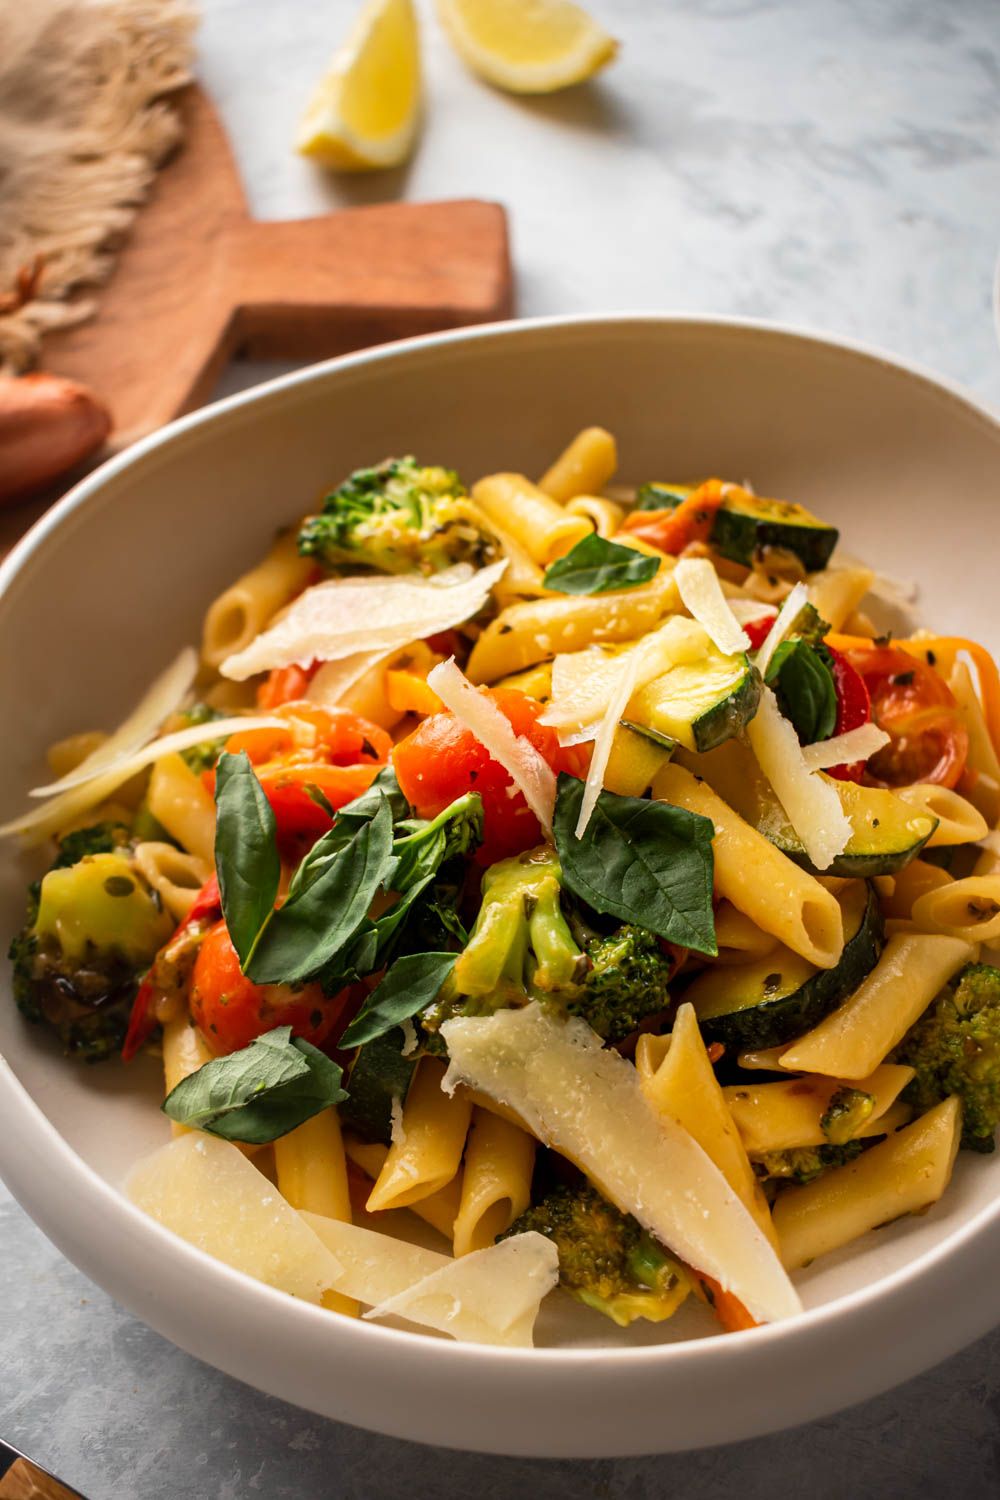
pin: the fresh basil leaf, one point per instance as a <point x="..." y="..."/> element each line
<point x="246" y="851"/>
<point x="411" y="983"/>
<point x="644" y="862"/>
<point x="327" y="902"/>
<point x="595" y="566"/>
<point x="367" y="804"/>
<point x="422" y="845"/>
<point x="259" y="1093"/>
<point x="807" y="693"/>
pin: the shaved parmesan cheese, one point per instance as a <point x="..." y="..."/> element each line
<point x="845" y="749"/>
<point x="58" y="811"/>
<point x="586" y="1102"/>
<point x="487" y="1297"/>
<point x="373" y="1266"/>
<point x="604" y="741"/>
<point x="783" y="626"/>
<point x="166" y="693"/>
<point x="702" y="595"/>
<point x="344" y="616"/>
<point x="208" y="1192"/>
<point x="812" y="805"/>
<point x="747" y="610"/>
<point x="335" y="678"/>
<point x="584" y="682"/>
<point x="578" y="736"/>
<point x="530" y="771"/>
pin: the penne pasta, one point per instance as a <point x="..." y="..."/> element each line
<point x="606" y="516"/>
<point x="757" y="878"/>
<point x="968" y="909"/>
<point x="239" y="614"/>
<point x="439" y="1210"/>
<point x="496" y="1181"/>
<point x="312" y="1176"/>
<point x="785" y="1115"/>
<point x="854" y="1038"/>
<point x="739" y="938"/>
<point x="177" y="799"/>
<point x="175" y="876"/>
<point x="430" y="1139"/>
<point x="958" y="821"/>
<point x="530" y="516"/>
<point x="904" y="1174"/>
<point x="912" y="882"/>
<point x="584" y="468"/>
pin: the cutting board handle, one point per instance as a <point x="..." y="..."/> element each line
<point x="303" y="289"/>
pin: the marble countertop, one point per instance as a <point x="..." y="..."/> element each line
<point x="830" y="163"/>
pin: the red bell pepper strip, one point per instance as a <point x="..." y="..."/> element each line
<point x="205" y="910"/>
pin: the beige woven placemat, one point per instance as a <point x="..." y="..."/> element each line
<point x="84" y="124"/>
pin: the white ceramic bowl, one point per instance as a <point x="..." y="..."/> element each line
<point x="113" y="581"/>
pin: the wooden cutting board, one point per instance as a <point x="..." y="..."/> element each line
<point x="199" y="281"/>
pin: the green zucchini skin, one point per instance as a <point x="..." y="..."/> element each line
<point x="746" y="524"/>
<point x="886" y="832"/>
<point x="776" y="1021"/>
<point x="379" y="1074"/>
<point x="726" y="718"/>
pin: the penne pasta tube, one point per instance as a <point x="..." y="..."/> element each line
<point x="531" y="517"/>
<point x="312" y="1176"/>
<point x="757" y="878"/>
<point x="584" y="468"/>
<point x="177" y="799"/>
<point x="903" y="1174"/>
<point x="782" y="1116"/>
<point x="535" y="630"/>
<point x="184" y="1052"/>
<point x="175" y="876"/>
<point x="837" y="592"/>
<point x="739" y="938"/>
<point x="968" y="909"/>
<point x="853" y="1039"/>
<point x="958" y="821"/>
<point x="440" y="1210"/>
<point x="496" y="1181"/>
<point x="679" y="1081"/>
<point x="912" y="881"/>
<point x="241" y="612"/>
<point x="430" y="1138"/>
<point x="605" y="514"/>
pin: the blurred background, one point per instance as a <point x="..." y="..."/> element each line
<point x="830" y="164"/>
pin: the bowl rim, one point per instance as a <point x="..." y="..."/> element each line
<point x="34" y="1138"/>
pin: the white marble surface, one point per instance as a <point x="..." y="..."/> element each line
<point x="830" y="163"/>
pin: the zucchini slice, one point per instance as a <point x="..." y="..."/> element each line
<point x="887" y="834"/>
<point x="379" y="1074"/>
<point x="701" y="703"/>
<point x="781" y="996"/>
<point x="745" y="524"/>
<point x="662" y="496"/>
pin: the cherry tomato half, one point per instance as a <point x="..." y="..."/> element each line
<point x="442" y="760"/>
<point x="231" y="1011"/>
<point x="915" y="706"/>
<point x="853" y="709"/>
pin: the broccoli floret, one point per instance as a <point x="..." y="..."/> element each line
<point x="523" y="948"/>
<point x="606" y="1259"/>
<point x="625" y="983"/>
<point x="804" y="1163"/>
<point x="520" y="948"/>
<point x="955" y="1049"/>
<point x="92" y="929"/>
<point x="204" y="756"/>
<point x="399" y="517"/>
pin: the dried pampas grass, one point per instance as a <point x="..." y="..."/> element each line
<point x="83" y="127"/>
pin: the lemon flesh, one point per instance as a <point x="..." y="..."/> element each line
<point x="527" y="46"/>
<point x="366" y="108"/>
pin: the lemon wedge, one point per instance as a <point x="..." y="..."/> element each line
<point x="366" y="108"/>
<point x="527" y="46"/>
